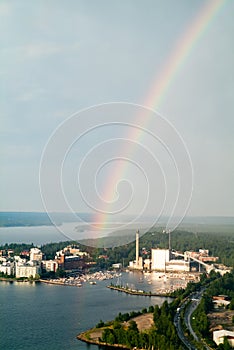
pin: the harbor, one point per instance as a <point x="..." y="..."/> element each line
<point x="77" y="281"/>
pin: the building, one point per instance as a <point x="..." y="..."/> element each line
<point x="117" y="266"/>
<point x="25" y="253"/>
<point x="74" y="250"/>
<point x="73" y="262"/>
<point x="159" y="258"/>
<point x="7" y="268"/>
<point x="202" y="255"/>
<point x="178" y="265"/>
<point x="218" y="337"/>
<point x="71" y="257"/>
<point x="35" y="254"/>
<point x="29" y="269"/>
<point x="220" y="300"/>
<point x="136" y="265"/>
<point x="208" y="258"/>
<point x="147" y="264"/>
<point x="49" y="265"/>
<point x="3" y="252"/>
<point x="70" y="262"/>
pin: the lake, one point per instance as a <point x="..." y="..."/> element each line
<point x="41" y="316"/>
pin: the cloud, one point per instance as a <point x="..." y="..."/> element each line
<point x="31" y="94"/>
<point x="39" y="50"/>
<point x="16" y="151"/>
<point x="5" y="9"/>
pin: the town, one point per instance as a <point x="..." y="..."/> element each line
<point x="71" y="259"/>
<point x="74" y="265"/>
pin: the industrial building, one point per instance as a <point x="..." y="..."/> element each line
<point x="178" y="265"/>
<point x="161" y="260"/>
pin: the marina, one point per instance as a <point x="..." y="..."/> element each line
<point x="155" y="283"/>
<point x="78" y="281"/>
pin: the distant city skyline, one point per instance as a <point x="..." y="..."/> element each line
<point x="59" y="59"/>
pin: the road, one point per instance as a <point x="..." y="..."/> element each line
<point x="177" y="323"/>
<point x="194" y="299"/>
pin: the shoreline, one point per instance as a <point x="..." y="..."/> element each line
<point x="11" y="280"/>
<point x="94" y="335"/>
<point x="59" y="283"/>
<point x="82" y="337"/>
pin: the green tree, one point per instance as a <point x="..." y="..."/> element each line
<point x="100" y="324"/>
<point x="226" y="345"/>
<point x="151" y="309"/>
<point x="133" y="326"/>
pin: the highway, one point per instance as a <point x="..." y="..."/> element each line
<point x="194" y="299"/>
<point x="177" y="323"/>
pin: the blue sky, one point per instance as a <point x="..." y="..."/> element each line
<point x="60" y="57"/>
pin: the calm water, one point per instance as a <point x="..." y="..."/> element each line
<point x="40" y="316"/>
<point x="46" y="234"/>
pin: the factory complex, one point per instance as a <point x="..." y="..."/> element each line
<point x="168" y="260"/>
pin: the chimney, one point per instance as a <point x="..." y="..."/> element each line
<point x="137" y="247"/>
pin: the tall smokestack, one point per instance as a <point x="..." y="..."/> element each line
<point x="169" y="239"/>
<point x="137" y="246"/>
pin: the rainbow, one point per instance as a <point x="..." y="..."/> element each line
<point x="181" y="52"/>
<point x="162" y="83"/>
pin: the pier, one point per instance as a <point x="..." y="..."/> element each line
<point x="140" y="292"/>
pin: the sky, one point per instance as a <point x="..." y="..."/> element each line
<point x="59" y="58"/>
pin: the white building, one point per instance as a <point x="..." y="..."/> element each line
<point x="218" y="337"/>
<point x="29" y="269"/>
<point x="7" y="268"/>
<point x="117" y="266"/>
<point x="35" y="254"/>
<point x="136" y="264"/>
<point x="147" y="264"/>
<point x="159" y="259"/>
<point x="178" y="265"/>
<point x="17" y="258"/>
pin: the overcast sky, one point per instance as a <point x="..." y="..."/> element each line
<point x="59" y="57"/>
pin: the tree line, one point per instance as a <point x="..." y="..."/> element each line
<point x="162" y="335"/>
